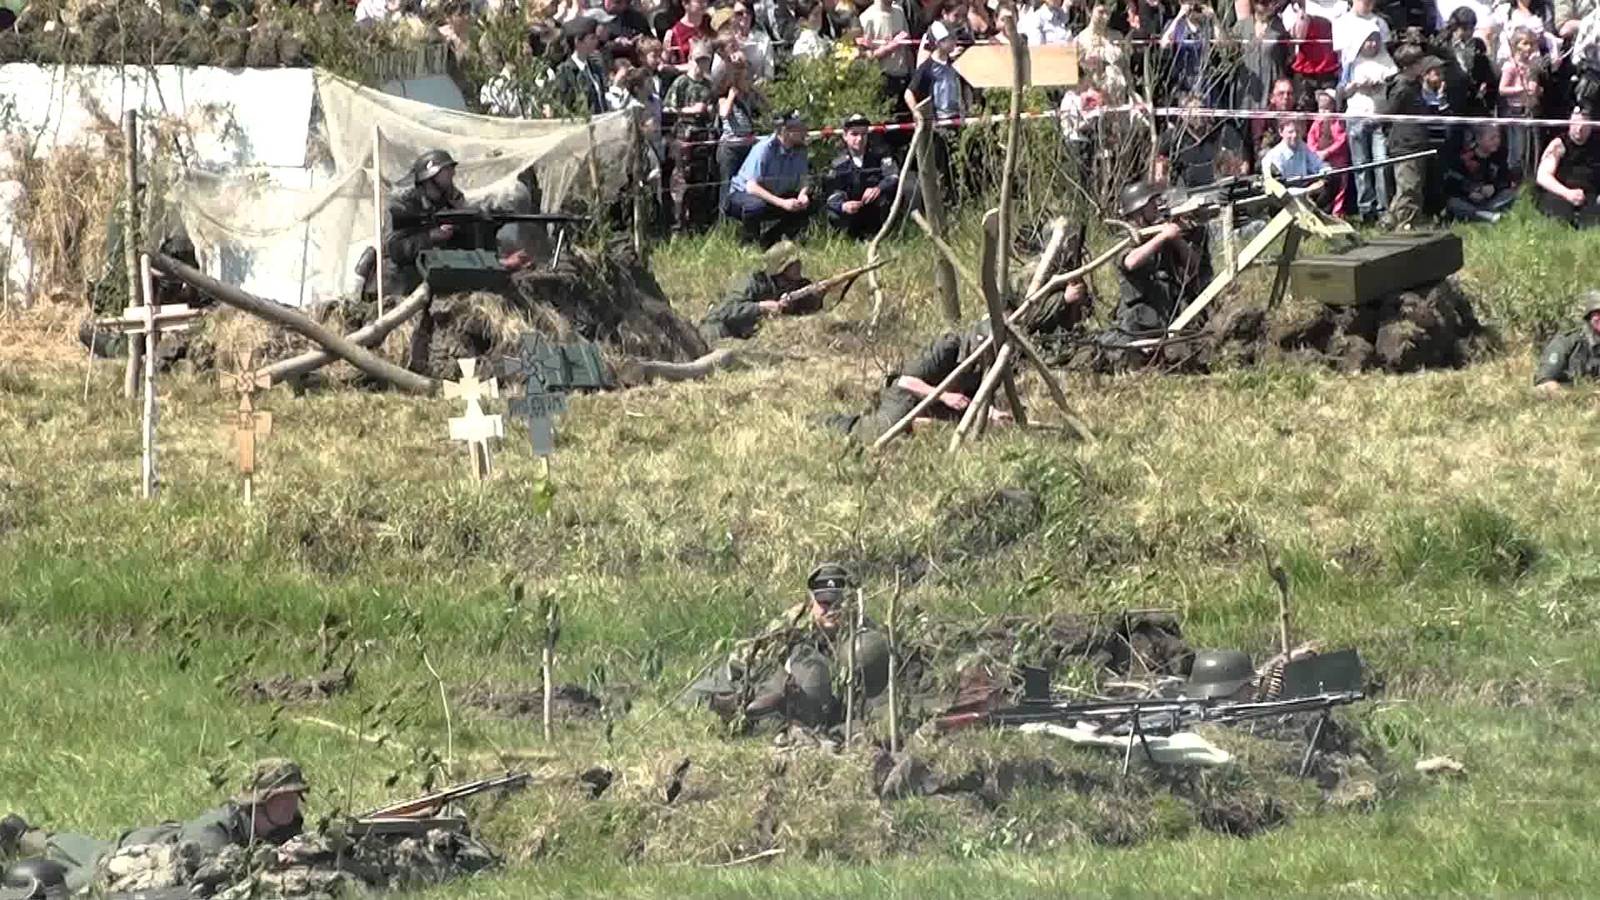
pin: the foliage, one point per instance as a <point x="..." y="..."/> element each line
<point x="827" y="91"/>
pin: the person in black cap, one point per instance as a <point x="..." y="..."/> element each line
<point x="787" y="671"/>
<point x="863" y="180"/>
<point x="578" y="85"/>
<point x="770" y="196"/>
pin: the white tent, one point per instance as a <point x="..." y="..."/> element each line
<point x="277" y="164"/>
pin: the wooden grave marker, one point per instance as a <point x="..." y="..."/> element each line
<point x="150" y="322"/>
<point x="474" y="428"/>
<point x="249" y="425"/>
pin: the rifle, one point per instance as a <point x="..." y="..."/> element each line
<point x="478" y="216"/>
<point x="1208" y="199"/>
<point x="819" y="288"/>
<point x="429" y="806"/>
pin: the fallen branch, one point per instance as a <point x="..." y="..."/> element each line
<point x="369" y="335"/>
<point x="375" y="740"/>
<point x="299" y="323"/>
<point x="644" y="371"/>
<point x="765" y="854"/>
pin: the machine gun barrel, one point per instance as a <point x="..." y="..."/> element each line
<point x="1243" y="190"/>
<point x="475" y="215"/>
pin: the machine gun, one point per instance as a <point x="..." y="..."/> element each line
<point x="1314" y="684"/>
<point x="1207" y="200"/>
<point x="479" y="216"/>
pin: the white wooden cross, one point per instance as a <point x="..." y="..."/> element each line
<point x="249" y="425"/>
<point x="474" y="428"/>
<point x="152" y="322"/>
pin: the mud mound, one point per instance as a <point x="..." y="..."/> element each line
<point x="1145" y="643"/>
<point x="1428" y="328"/>
<point x="614" y="302"/>
<point x="569" y="702"/>
<point x="287" y="688"/>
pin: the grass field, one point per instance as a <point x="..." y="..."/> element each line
<point x="1440" y="522"/>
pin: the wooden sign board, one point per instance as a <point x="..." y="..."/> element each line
<point x="987" y="66"/>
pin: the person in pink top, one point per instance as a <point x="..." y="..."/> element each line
<point x="1519" y="94"/>
<point x="1327" y="137"/>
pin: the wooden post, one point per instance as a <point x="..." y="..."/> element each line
<point x="249" y="425"/>
<point x="597" y="214"/>
<point x="552" y="630"/>
<point x="377" y="209"/>
<point x="1052" y="252"/>
<point x="850" y="670"/>
<point x="130" y="240"/>
<point x="636" y="181"/>
<point x="944" y="276"/>
<point x="148" y="465"/>
<point x="894" y="713"/>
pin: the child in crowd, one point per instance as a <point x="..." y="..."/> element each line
<point x="1519" y="94"/>
<point x="1328" y="137"/>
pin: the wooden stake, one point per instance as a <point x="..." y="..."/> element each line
<point x="552" y="630"/>
<point x="130" y="241"/>
<point x="636" y="181"/>
<point x="991" y="379"/>
<point x="377" y="209"/>
<point x="946" y="252"/>
<point x="594" y="176"/>
<point x="1052" y="251"/>
<point x="850" y="670"/>
<point x="1057" y="394"/>
<point x="148" y="464"/>
<point x="944" y="275"/>
<point x="994" y="266"/>
<point x="894" y="712"/>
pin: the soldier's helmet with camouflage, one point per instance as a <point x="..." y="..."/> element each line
<point x="34" y="879"/>
<point x="269" y="778"/>
<point x="1587" y="303"/>
<point x="430" y="164"/>
<point x="779" y="257"/>
<point x="1218" y="673"/>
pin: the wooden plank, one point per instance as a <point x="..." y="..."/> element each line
<point x="988" y="66"/>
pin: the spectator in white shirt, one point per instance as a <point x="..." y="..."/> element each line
<point x="1351" y="29"/>
<point x="1046" y="24"/>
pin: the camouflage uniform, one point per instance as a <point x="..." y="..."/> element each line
<point x="163" y="855"/>
<point x="1574" y="355"/>
<point x="694" y="193"/>
<point x="789" y="668"/>
<point x="739" y="314"/>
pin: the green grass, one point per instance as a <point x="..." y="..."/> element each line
<point x="1438" y="522"/>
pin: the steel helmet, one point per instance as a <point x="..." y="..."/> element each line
<point x="1588" y="303"/>
<point x="1218" y="673"/>
<point x="430" y="164"/>
<point x="1136" y="196"/>
<point x="34" y="879"/>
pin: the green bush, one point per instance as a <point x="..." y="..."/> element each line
<point x="826" y="91"/>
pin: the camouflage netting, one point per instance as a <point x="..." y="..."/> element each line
<point x="613" y="301"/>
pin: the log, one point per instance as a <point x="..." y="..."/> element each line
<point x="299" y="323"/>
<point x="644" y="371"/>
<point x="369" y="335"/>
<point x="1052" y="252"/>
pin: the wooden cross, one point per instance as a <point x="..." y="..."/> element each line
<point x="249" y="425"/>
<point x="151" y="322"/>
<point x="538" y="409"/>
<point x="474" y="428"/>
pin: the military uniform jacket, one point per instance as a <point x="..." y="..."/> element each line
<point x="849" y="181"/>
<point x="403" y="244"/>
<point x="739" y="314"/>
<point x="1569" y="357"/>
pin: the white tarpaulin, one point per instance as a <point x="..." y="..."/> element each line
<point x="267" y="213"/>
<point x="305" y="242"/>
<point x="244" y="117"/>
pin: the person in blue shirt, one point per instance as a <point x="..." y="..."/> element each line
<point x="770" y="197"/>
<point x="1290" y="157"/>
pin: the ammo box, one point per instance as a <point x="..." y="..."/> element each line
<point x="1383" y="265"/>
<point x="462" y="271"/>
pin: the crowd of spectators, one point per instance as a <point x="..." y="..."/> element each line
<point x="1299" y="85"/>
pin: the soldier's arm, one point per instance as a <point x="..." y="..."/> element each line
<point x="1551" y="373"/>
